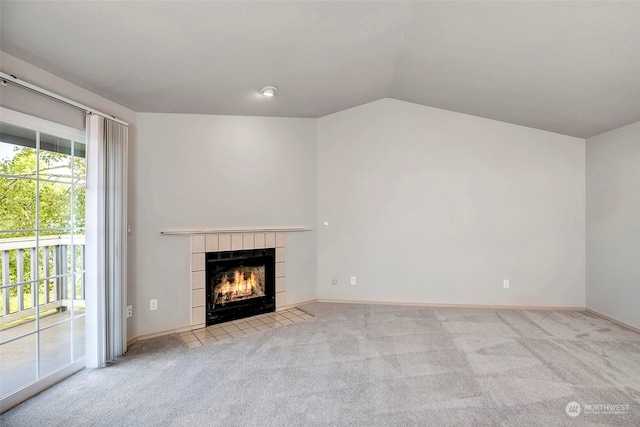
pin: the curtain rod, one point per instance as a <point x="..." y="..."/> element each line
<point x="8" y="78"/>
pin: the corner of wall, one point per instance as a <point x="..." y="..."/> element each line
<point x="613" y="224"/>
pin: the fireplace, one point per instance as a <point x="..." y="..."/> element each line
<point x="239" y="284"/>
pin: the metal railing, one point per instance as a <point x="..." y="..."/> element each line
<point x="44" y="274"/>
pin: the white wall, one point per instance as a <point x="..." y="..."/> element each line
<point x="201" y="171"/>
<point x="430" y="206"/>
<point x="613" y="224"/>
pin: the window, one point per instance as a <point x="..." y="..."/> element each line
<point x="42" y="228"/>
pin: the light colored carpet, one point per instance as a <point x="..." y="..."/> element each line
<point x="365" y="365"/>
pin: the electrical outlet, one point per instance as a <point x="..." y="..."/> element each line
<point x="505" y="283"/>
<point x="353" y="280"/>
<point x="129" y="311"/>
<point x="334" y="281"/>
<point x="153" y="304"/>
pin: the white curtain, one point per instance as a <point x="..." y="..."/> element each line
<point x="106" y="240"/>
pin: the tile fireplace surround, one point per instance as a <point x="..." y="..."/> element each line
<point x="226" y="241"/>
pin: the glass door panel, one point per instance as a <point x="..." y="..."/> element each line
<point x="19" y="365"/>
<point x="55" y="345"/>
<point x="42" y="211"/>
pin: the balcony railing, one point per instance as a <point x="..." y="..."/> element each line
<point x="52" y="265"/>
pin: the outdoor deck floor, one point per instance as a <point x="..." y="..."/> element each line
<point x="19" y="363"/>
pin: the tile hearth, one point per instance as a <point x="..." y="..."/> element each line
<point x="237" y="328"/>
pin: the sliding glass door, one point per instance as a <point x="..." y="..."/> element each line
<point x="42" y="256"/>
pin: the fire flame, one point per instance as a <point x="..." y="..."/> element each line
<point x="241" y="286"/>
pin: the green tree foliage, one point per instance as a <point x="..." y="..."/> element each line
<point x="18" y="191"/>
<point x="55" y="197"/>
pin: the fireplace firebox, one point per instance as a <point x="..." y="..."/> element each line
<point x="240" y="284"/>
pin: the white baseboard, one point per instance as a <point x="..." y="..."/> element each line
<point x="134" y="340"/>
<point x="426" y="304"/>
<point x="611" y="319"/>
<point x="290" y="306"/>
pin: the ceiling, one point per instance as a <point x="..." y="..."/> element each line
<point x="566" y="67"/>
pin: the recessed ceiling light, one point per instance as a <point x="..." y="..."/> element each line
<point x="268" y="91"/>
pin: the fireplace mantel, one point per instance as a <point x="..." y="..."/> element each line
<point x="233" y="231"/>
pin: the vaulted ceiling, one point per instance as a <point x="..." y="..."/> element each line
<point x="567" y="67"/>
